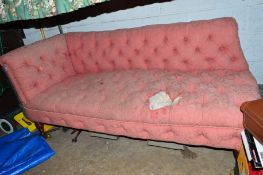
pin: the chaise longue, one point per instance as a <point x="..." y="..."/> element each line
<point x="102" y="81"/>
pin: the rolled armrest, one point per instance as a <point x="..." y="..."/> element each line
<point x="36" y="67"/>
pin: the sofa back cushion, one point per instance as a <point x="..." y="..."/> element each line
<point x="38" y="66"/>
<point x="203" y="45"/>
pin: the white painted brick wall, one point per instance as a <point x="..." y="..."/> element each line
<point x="248" y="13"/>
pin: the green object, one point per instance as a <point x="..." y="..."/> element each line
<point x="13" y="10"/>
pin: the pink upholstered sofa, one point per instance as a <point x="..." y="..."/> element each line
<point x="102" y="81"/>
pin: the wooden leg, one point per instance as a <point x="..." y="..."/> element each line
<point x="40" y="127"/>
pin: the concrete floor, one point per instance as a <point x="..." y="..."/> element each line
<point x="97" y="156"/>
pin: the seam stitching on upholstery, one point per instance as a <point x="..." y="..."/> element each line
<point x="66" y="41"/>
<point x="160" y="124"/>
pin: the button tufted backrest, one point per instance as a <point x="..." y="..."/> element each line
<point x="38" y="66"/>
<point x="204" y="45"/>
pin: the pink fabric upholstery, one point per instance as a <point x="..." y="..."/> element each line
<point x="122" y="97"/>
<point x="101" y="81"/>
<point x="37" y="67"/>
<point x="202" y="45"/>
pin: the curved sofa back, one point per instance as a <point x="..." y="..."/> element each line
<point x="198" y="45"/>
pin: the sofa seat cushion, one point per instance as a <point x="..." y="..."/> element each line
<point x="210" y="98"/>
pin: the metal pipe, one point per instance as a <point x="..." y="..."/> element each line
<point x="43" y="36"/>
<point x="60" y="29"/>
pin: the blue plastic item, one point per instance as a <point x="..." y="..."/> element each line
<point x="22" y="150"/>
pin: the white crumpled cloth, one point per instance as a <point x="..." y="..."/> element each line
<point x="162" y="99"/>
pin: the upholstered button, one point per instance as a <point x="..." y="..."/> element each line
<point x="25" y="63"/>
<point x="209" y="59"/>
<point x="96" y="44"/>
<point x="145" y="133"/>
<point x="155" y="50"/>
<point x="197" y="50"/>
<point x="185" y="61"/>
<point x="129" y="61"/>
<point x="169" y="133"/>
<point x="127" y="41"/>
<point x="165" y="60"/>
<point x="41" y="58"/>
<point x="40" y="69"/>
<point x="35" y="84"/>
<point x="112" y="62"/>
<point x="186" y="39"/>
<point x="62" y="122"/>
<point x="68" y="123"/>
<point x="146" y="61"/>
<point x="145" y="41"/>
<point x="137" y="52"/>
<point x="89" y="54"/>
<point x="46" y="119"/>
<point x="202" y="134"/>
<point x="111" y="44"/>
<point x="80" y="124"/>
<point x="233" y="59"/>
<point x="175" y="50"/>
<point x="75" y="52"/>
<point x="222" y="48"/>
<point x="122" y="128"/>
<point x="165" y="40"/>
<point x="96" y="63"/>
<point x="120" y="53"/>
<point x="101" y="127"/>
<point x="209" y="37"/>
